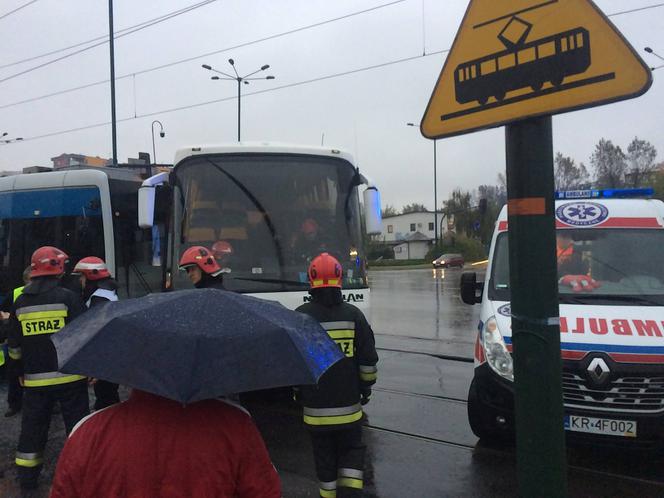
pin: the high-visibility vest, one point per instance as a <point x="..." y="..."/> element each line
<point x="17" y="292"/>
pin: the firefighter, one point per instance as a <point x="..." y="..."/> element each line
<point x="14" y="390"/>
<point x="333" y="408"/>
<point x="41" y="310"/>
<point x="98" y="287"/>
<point x="202" y="268"/>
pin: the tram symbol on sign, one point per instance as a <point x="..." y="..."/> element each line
<point x="522" y="65"/>
<point x="516" y="59"/>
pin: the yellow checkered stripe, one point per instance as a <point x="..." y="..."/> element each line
<point x="368" y="373"/>
<point x="49" y="379"/>
<point x="28" y="459"/>
<point x="332" y="416"/>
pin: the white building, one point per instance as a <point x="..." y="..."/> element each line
<point x="411" y="234"/>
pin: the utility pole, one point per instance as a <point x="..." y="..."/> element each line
<point x="540" y="438"/>
<point x="112" y="56"/>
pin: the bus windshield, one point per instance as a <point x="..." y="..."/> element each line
<point x="598" y="266"/>
<point x="265" y="216"/>
<point x="33" y="218"/>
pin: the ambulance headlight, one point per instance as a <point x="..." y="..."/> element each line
<point x="497" y="355"/>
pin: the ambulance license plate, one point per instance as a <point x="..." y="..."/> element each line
<point x="609" y="427"/>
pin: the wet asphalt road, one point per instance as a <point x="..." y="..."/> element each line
<point x="418" y="440"/>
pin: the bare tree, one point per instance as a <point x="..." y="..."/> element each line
<point x="567" y="175"/>
<point x="609" y="163"/>
<point x="641" y="157"/>
<point x="413" y="208"/>
<point x="388" y="211"/>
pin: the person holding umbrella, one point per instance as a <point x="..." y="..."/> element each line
<point x="180" y="351"/>
<point x="333" y="409"/>
<point x="98" y="287"/>
<point x="42" y="309"/>
<point x="202" y="268"/>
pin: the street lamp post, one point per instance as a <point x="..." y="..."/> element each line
<point x="435" y="191"/>
<point x="240" y="79"/>
<point x="162" y="134"/>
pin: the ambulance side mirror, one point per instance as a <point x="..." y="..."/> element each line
<point x="469" y="287"/>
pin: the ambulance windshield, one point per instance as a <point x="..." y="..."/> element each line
<point x="598" y="266"/>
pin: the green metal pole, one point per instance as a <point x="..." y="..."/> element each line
<point x="540" y="435"/>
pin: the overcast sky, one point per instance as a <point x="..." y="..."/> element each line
<point x="365" y="111"/>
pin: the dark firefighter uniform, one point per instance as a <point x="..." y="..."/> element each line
<point x="40" y="311"/>
<point x="14" y="390"/>
<point x="332" y="409"/>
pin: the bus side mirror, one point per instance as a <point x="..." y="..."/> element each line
<point x="469" y="287"/>
<point x="372" y="217"/>
<point x="147" y="196"/>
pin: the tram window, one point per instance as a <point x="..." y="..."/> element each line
<point x="563" y="44"/>
<point x="461" y="78"/>
<point x="488" y="67"/>
<point x="547" y="49"/>
<point x="579" y="40"/>
<point x="506" y="61"/>
<point x="570" y="42"/>
<point x="473" y="71"/>
<point x="526" y="55"/>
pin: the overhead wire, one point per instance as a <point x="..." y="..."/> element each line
<point x="246" y="94"/>
<point x="103" y="37"/>
<point x="7" y="14"/>
<point x="272" y="89"/>
<point x="637" y="9"/>
<point x="90" y="47"/>
<point x="207" y="54"/>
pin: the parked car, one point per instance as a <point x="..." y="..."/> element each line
<point x="448" y="261"/>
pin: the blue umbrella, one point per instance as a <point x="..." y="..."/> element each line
<point x="196" y="344"/>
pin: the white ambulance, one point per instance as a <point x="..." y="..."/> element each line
<point x="610" y="247"/>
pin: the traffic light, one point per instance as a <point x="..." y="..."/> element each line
<point x="482" y="206"/>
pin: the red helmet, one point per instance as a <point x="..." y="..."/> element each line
<point x="92" y="267"/>
<point x="47" y="261"/>
<point x="325" y="271"/>
<point x="309" y="226"/>
<point x="222" y="250"/>
<point x="201" y="257"/>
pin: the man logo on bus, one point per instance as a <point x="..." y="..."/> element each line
<point x="582" y="213"/>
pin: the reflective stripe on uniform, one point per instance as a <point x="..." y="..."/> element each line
<point x="49" y="379"/>
<point x="2" y="356"/>
<point x="337" y="325"/>
<point x="328" y="493"/>
<point x="15" y="353"/>
<point x="332" y="416"/>
<point x="341" y="334"/>
<point x="28" y="459"/>
<point x="368" y="372"/>
<point x="351" y="478"/>
<point x="42" y="319"/>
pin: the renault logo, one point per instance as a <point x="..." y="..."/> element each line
<point x="598" y="370"/>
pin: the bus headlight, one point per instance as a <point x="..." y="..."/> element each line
<point x="497" y="355"/>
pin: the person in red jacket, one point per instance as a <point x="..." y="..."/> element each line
<point x="153" y="446"/>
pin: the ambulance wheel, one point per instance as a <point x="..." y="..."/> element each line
<point x="482" y="419"/>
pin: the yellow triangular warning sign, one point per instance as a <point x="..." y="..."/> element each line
<point x="515" y="59"/>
